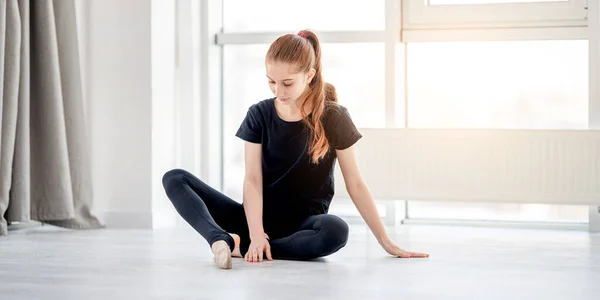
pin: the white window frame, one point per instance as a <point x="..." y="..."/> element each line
<point x="417" y="14"/>
<point x="199" y="138"/>
<point x="594" y="86"/>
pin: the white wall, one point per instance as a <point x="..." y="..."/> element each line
<point x="128" y="61"/>
<point x="119" y="91"/>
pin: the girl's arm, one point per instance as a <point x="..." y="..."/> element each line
<point x="253" y="204"/>
<point x="362" y="199"/>
<point x="252" y="193"/>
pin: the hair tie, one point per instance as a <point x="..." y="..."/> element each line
<point x="300" y="33"/>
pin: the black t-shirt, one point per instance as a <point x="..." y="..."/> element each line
<point x="292" y="184"/>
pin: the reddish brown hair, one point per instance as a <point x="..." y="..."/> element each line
<point x="304" y="51"/>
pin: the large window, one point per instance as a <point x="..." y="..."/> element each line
<point x="504" y="84"/>
<point x="506" y="79"/>
<point x="508" y="84"/>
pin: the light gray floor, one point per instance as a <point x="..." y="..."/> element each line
<point x="465" y="263"/>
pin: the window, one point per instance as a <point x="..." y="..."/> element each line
<point x="478" y="84"/>
<point x="359" y="83"/>
<point x="520" y="84"/>
<point x="508" y="84"/>
<point x="275" y="15"/>
<point x="492" y="13"/>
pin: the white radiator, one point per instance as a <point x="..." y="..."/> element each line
<point x="516" y="166"/>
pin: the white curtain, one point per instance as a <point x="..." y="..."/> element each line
<point x="44" y="148"/>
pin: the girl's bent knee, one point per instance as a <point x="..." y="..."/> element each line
<point x="170" y="176"/>
<point x="335" y="231"/>
<point x="174" y="180"/>
<point x="336" y="228"/>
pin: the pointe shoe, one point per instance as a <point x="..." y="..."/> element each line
<point x="222" y="254"/>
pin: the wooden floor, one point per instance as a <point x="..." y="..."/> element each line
<point x="465" y="263"/>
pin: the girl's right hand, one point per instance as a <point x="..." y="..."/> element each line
<point x="258" y="246"/>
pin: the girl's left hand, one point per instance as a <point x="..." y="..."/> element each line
<point x="394" y="250"/>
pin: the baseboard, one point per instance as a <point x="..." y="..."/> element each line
<point x="24" y="225"/>
<point x="127" y="220"/>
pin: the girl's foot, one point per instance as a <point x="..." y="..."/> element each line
<point x="222" y="254"/>
<point x="236" y="249"/>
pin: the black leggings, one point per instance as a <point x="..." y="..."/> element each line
<point x="214" y="215"/>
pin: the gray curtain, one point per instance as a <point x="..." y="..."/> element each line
<point x="44" y="157"/>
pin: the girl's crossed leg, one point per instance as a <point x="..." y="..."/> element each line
<point x="215" y="216"/>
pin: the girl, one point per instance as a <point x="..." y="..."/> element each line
<point x="291" y="144"/>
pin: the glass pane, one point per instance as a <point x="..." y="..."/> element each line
<point x="498" y="212"/>
<point x="244" y="84"/>
<point x="509" y="84"/>
<point x="458" y="2"/>
<point x="359" y="83"/>
<point x="358" y="73"/>
<point x="400" y="97"/>
<point x="277" y="15"/>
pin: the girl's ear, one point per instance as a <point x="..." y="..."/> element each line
<point x="310" y="75"/>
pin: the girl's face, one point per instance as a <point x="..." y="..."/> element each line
<point x="286" y="83"/>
